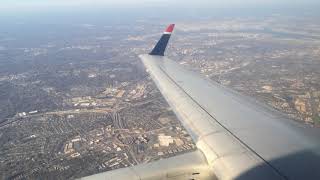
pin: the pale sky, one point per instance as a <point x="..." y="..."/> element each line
<point x="25" y="5"/>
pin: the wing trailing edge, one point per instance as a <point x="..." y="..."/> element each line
<point x="160" y="47"/>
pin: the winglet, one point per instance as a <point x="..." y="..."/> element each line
<point x="159" y="49"/>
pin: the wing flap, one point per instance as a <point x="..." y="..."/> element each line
<point x="191" y="165"/>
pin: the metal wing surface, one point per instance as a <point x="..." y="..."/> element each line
<point x="239" y="137"/>
<point x="236" y="136"/>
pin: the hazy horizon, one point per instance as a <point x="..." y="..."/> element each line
<point x="34" y="6"/>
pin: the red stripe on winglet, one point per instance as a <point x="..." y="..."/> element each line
<point x="170" y="28"/>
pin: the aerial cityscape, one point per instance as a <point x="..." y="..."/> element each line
<point x="76" y="100"/>
<point x="275" y="60"/>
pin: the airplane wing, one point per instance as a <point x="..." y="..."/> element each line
<point x="236" y="136"/>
